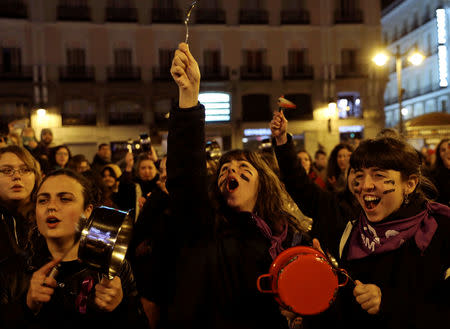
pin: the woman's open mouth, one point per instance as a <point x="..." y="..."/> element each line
<point x="52" y="222"/>
<point x="232" y="184"/>
<point x="370" y="201"/>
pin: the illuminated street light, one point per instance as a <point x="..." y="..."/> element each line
<point x="41" y="112"/>
<point x="415" y="58"/>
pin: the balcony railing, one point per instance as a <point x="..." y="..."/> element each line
<point x="13" y="9"/>
<point x="299" y="16"/>
<point x="348" y="17"/>
<point x="76" y="73"/>
<point x="127" y="15"/>
<point x="74" y="13"/>
<point x="161" y="73"/>
<point x="166" y="15"/>
<point x="263" y="72"/>
<point x="211" y="73"/>
<point x="253" y="16"/>
<point x="351" y="70"/>
<point x="302" y="72"/>
<point x="16" y="72"/>
<point x="210" y="16"/>
<point x="123" y="73"/>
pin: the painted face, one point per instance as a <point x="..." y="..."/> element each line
<point x="62" y="157"/>
<point x="444" y="153"/>
<point x="343" y="158"/>
<point x="379" y="192"/>
<point x="147" y="170"/>
<point x="306" y="162"/>
<point x="108" y="179"/>
<point x="238" y="183"/>
<point x="18" y="186"/>
<point x="59" y="206"/>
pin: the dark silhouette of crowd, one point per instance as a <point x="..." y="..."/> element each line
<point x="206" y="227"/>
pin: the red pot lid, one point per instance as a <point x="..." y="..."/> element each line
<point x="307" y="284"/>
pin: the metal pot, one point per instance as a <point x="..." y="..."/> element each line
<point x="302" y="280"/>
<point x="104" y="240"/>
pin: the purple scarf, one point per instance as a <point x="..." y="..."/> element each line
<point x="376" y="238"/>
<point x="276" y="241"/>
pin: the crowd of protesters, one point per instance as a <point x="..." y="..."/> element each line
<point x="206" y="227"/>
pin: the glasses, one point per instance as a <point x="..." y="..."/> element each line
<point x="23" y="171"/>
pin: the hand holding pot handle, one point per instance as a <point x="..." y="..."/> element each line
<point x="108" y="294"/>
<point x="368" y="296"/>
<point x="41" y="286"/>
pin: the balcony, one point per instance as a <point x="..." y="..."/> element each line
<point x="351" y="71"/>
<point x="348" y="17"/>
<point x="126" y="15"/>
<point x="299" y="16"/>
<point x="123" y="73"/>
<point x="253" y="16"/>
<point x="263" y="72"/>
<point x="72" y="13"/>
<point x="16" y="72"/>
<point x="13" y="9"/>
<point x="76" y="73"/>
<point x="166" y="15"/>
<point x="218" y="73"/>
<point x="210" y="16"/>
<point x="161" y="73"/>
<point x="298" y="72"/>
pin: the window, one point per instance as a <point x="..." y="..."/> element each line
<point x="297" y="58"/>
<point x="123" y="57"/>
<point x="164" y="4"/>
<point x="78" y="112"/>
<point x="304" y="110"/>
<point x="253" y="59"/>
<point x="349" y="58"/>
<point x="165" y="57"/>
<point x="73" y="3"/>
<point x="125" y="113"/>
<point x="217" y="106"/>
<point x="120" y="3"/>
<point x="76" y="57"/>
<point x="256" y="107"/>
<point x="13" y="111"/>
<point x="443" y="105"/>
<point x="211" y="59"/>
<point x="349" y="105"/>
<point x="11" y="59"/>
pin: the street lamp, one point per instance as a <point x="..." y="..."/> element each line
<point x="415" y="58"/>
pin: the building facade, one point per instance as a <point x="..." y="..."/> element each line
<point x="425" y="26"/>
<point x="104" y="64"/>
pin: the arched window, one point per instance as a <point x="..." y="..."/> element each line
<point x="78" y="112"/>
<point x="125" y="113"/>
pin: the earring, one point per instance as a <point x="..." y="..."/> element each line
<point x="406" y="199"/>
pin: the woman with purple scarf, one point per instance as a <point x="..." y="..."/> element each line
<point x="395" y="244"/>
<point x="226" y="238"/>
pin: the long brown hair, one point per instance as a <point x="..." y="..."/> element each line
<point x="272" y="203"/>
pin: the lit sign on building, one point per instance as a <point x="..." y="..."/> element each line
<point x="257" y="132"/>
<point x="217" y="106"/>
<point x="442" y="47"/>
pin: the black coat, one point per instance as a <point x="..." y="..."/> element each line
<point x="413" y="285"/>
<point x="62" y="311"/>
<point x="214" y="270"/>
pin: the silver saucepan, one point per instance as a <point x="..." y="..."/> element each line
<point x="104" y="240"/>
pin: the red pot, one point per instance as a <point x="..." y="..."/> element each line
<point x="303" y="280"/>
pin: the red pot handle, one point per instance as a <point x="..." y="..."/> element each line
<point x="258" y="283"/>
<point x="346" y="277"/>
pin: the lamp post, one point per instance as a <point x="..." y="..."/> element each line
<point x="415" y="58"/>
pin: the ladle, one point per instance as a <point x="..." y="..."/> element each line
<point x="186" y="20"/>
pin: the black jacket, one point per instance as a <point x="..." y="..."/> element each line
<point x="413" y="285"/>
<point x="62" y="310"/>
<point x="212" y="281"/>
